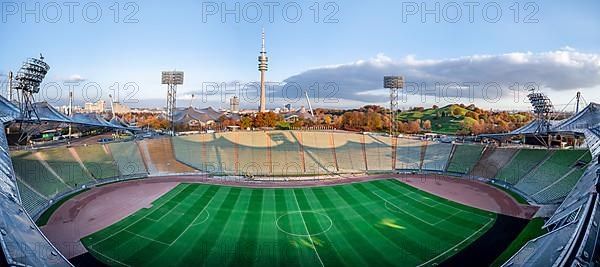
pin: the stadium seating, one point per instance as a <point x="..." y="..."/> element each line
<point x="97" y="160"/>
<point x="521" y="164"/>
<point x="492" y="160"/>
<point x="409" y="154"/>
<point x="285" y="154"/>
<point x="253" y="153"/>
<point x="160" y="158"/>
<point x="436" y="156"/>
<point x="349" y="152"/>
<point x="464" y="158"/>
<point x="318" y="152"/>
<point x="555" y="167"/>
<point x="128" y="158"/>
<point x="226" y="157"/>
<point x="30" y="170"/>
<point x="559" y="189"/>
<point x="378" y="150"/>
<point x="63" y="162"/>
<point x="31" y="200"/>
<point x="189" y="150"/>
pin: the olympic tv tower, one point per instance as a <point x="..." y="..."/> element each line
<point x="262" y="67"/>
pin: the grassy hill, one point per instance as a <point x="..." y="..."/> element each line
<point x="451" y="118"/>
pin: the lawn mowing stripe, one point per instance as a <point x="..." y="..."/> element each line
<point x="441" y="212"/>
<point x="341" y="230"/>
<point x="438" y="244"/>
<point x="296" y="229"/>
<point x="199" y="254"/>
<point x="270" y="237"/>
<point x="293" y="252"/>
<point x="171" y="231"/>
<point x="306" y="228"/>
<point x="430" y="234"/>
<point x="247" y="246"/>
<point x="315" y="228"/>
<point x="182" y="247"/>
<point x="406" y="247"/>
<point x="112" y="241"/>
<point x="120" y="225"/>
<point x="224" y="248"/>
<point x="289" y="253"/>
<point x="477" y="217"/>
<point x="159" y="213"/>
<point x="154" y="229"/>
<point x="443" y="201"/>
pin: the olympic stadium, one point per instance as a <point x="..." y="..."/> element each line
<point x="317" y="198"/>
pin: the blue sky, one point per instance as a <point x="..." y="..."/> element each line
<point x="362" y="42"/>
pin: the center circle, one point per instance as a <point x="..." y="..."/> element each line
<point x="299" y="219"/>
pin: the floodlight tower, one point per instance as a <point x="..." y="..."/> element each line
<point x="542" y="108"/>
<point x="262" y="67"/>
<point x="28" y="81"/>
<point x="172" y="79"/>
<point x="394" y="84"/>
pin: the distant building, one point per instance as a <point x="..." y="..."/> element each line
<point x="97" y="107"/>
<point x="120" y="108"/>
<point x="234" y="104"/>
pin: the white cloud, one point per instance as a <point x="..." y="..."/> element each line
<point x="554" y="71"/>
<point x="72" y="78"/>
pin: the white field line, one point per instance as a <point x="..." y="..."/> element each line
<point x="458" y="244"/>
<point x="147" y="238"/>
<point x="195" y="218"/>
<point x="306" y="228"/>
<point x="437" y="204"/>
<point x="103" y="255"/>
<point x="403" y="211"/>
<point x="125" y="228"/>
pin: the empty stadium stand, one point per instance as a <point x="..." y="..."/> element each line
<point x="492" y="160"/>
<point x="350" y="152"/>
<point x="285" y="154"/>
<point x="436" y="156"/>
<point x="253" y="153"/>
<point x="69" y="169"/>
<point x="128" y="158"/>
<point x="159" y="157"/>
<point x="521" y="164"/>
<point x="97" y="161"/>
<point x="464" y="158"/>
<point x="409" y="154"/>
<point x="551" y="170"/>
<point x="318" y="152"/>
<point x="30" y="170"/>
<point x="378" y="151"/>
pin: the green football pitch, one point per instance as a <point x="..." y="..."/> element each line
<point x="384" y="222"/>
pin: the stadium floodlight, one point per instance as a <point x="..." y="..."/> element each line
<point x="172" y="79"/>
<point x="27" y="81"/>
<point x="394" y="84"/>
<point x="31" y="75"/>
<point x="542" y="108"/>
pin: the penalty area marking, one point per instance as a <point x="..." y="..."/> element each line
<point x="387" y="206"/>
<point x="308" y="233"/>
<point x="144" y="217"/>
<point x="103" y="255"/>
